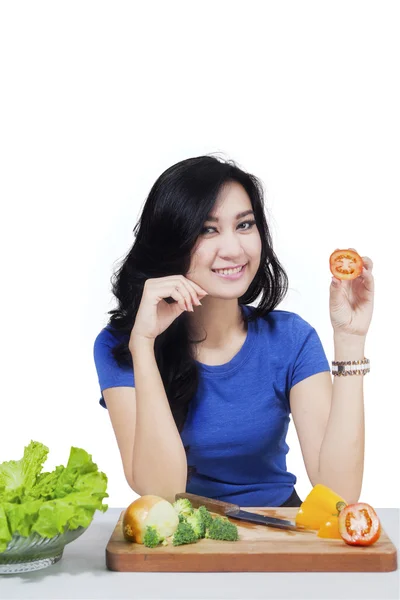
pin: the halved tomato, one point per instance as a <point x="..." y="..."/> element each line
<point x="345" y="264"/>
<point x="359" y="525"/>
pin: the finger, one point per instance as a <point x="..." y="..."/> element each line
<point x="180" y="294"/>
<point x="175" y="289"/>
<point x="368" y="264"/>
<point x="195" y="290"/>
<point x="190" y="291"/>
<point x="190" y="297"/>
<point x="368" y="280"/>
<point x="198" y="289"/>
<point x="366" y="271"/>
<point x="196" y="295"/>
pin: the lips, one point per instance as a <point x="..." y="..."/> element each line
<point x="232" y="276"/>
<point x="228" y="268"/>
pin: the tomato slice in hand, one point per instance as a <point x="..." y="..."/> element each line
<point x="345" y="264"/>
<point x="359" y="525"/>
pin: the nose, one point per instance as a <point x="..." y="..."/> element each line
<point x="230" y="246"/>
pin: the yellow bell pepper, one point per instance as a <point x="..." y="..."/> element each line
<point x="330" y="529"/>
<point x="320" y="505"/>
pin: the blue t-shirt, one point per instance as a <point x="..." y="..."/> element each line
<point x="239" y="417"/>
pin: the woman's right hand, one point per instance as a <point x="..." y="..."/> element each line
<point x="154" y="314"/>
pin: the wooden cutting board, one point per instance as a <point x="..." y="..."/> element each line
<point x="259" y="548"/>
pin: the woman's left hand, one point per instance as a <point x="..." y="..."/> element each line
<point x="351" y="302"/>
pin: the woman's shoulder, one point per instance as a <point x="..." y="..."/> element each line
<point x="108" y="336"/>
<point x="284" y="323"/>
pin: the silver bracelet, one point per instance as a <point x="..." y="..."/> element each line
<point x="342" y="368"/>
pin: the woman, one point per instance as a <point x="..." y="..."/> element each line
<point x="199" y="385"/>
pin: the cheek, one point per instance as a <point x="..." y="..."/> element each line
<point x="254" y="247"/>
<point x="199" y="258"/>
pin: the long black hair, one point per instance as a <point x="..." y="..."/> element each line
<point x="171" y="221"/>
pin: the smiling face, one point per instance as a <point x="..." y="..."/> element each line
<point x="229" y="239"/>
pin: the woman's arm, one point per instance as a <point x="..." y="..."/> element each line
<point x="341" y="458"/>
<point x="329" y="418"/>
<point x="159" y="461"/>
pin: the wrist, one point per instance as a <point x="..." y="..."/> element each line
<point x="140" y="341"/>
<point x="349" y="346"/>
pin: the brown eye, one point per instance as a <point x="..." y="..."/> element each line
<point x="249" y="223"/>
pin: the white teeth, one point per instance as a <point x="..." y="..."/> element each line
<point x="228" y="271"/>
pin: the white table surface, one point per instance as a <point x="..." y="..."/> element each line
<point x="82" y="574"/>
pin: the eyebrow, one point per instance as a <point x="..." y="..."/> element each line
<point x="238" y="216"/>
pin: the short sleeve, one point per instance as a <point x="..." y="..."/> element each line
<point x="308" y="355"/>
<point x="109" y="373"/>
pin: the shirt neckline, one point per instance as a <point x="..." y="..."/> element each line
<point x="239" y="358"/>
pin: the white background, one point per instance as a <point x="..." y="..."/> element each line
<point x="98" y="99"/>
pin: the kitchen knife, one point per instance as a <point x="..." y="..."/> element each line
<point x="234" y="511"/>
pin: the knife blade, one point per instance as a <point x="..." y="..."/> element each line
<point x="235" y="512"/>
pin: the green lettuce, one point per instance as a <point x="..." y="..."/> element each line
<point x="48" y="502"/>
<point x="18" y="476"/>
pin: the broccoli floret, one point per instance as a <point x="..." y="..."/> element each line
<point x="183" y="506"/>
<point x="184" y="534"/>
<point x="182" y="518"/>
<point x="206" y="515"/>
<point x="197" y="523"/>
<point x="152" y="538"/>
<point x="222" y="529"/>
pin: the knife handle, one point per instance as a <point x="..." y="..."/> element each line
<point x="217" y="506"/>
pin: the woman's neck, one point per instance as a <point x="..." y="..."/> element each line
<point x="221" y="320"/>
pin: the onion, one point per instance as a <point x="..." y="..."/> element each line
<point x="149" y="510"/>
